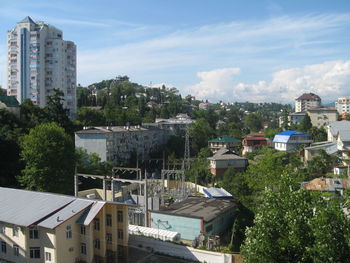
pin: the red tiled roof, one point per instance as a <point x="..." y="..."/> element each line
<point x="309" y="96"/>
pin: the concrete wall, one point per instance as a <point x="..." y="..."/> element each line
<point x="93" y="143"/>
<point x="189" y="228"/>
<point x="180" y="251"/>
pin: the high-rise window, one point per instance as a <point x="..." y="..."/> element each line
<point x="83" y="248"/>
<point x="120" y="216"/>
<point x="33" y="233"/>
<point x="34" y="252"/>
<point x="16" y="250"/>
<point x="109" y="220"/>
<point x="69" y="232"/>
<point x="47" y="256"/>
<point x="97" y="224"/>
<point x="109" y="238"/>
<point x="83" y="230"/>
<point x="3" y="247"/>
<point x="15" y="230"/>
<point x="120" y="234"/>
<point x="97" y="243"/>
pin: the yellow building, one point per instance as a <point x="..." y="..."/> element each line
<point x="46" y="227"/>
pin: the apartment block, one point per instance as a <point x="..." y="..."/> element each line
<point x="343" y="105"/>
<point x="38" y="61"/>
<point x="46" y="227"/>
<point x="307" y="101"/>
<point x="117" y="144"/>
<point x="322" y="116"/>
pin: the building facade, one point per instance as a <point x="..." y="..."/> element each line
<point x="39" y="60"/>
<point x="307" y="101"/>
<point x="117" y="144"/>
<point x="321" y="117"/>
<point x="226" y="142"/>
<point x="343" y="105"/>
<point x="291" y="140"/>
<point x="225" y="159"/>
<point x="45" y="227"/>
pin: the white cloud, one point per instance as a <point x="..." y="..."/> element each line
<point x="215" y="84"/>
<point x="329" y="80"/>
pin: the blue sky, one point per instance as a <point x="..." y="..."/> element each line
<point x="217" y="50"/>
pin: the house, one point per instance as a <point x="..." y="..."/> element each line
<point x="314" y="149"/>
<point x="226" y="142"/>
<point x="339" y="132"/>
<point x="11" y="104"/>
<point x="291" y="140"/>
<point x="343" y="105"/>
<point x="322" y="116"/>
<point x="46" y="227"/>
<point x="195" y="216"/>
<point x="224" y="159"/>
<point x="253" y="142"/>
<point x="172" y="126"/>
<point x="307" y="101"/>
<point x="332" y="185"/>
<point x="116" y="144"/>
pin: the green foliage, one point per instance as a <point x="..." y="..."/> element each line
<point x="295" y="225"/>
<point x="321" y="164"/>
<point x="90" y="117"/>
<point x="305" y="125"/>
<point x="253" y="122"/>
<point x="318" y="134"/>
<point x="200" y="133"/>
<point x="48" y="153"/>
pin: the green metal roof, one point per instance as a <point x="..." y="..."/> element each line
<point x="9" y="101"/>
<point x="225" y="139"/>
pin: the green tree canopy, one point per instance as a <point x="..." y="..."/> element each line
<point x="295" y="225"/>
<point x="48" y="153"/>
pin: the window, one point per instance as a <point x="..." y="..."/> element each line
<point x="82" y="230"/>
<point x="97" y="243"/>
<point x="68" y="232"/>
<point x="120" y="234"/>
<point x="3" y="247"/>
<point x="16" y="250"/>
<point x="109" y="220"/>
<point x="120" y="216"/>
<point x="97" y="224"/>
<point x="47" y="256"/>
<point x="109" y="238"/>
<point x="15" y="231"/>
<point x="2" y="229"/>
<point x="34" y="252"/>
<point x="83" y="248"/>
<point x="33" y="233"/>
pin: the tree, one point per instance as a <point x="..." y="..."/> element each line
<point x="296" y="225"/>
<point x="90" y="117"/>
<point x="305" y="125"/>
<point x="253" y="122"/>
<point x="48" y="153"/>
<point x="200" y="133"/>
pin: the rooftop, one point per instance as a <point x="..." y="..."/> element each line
<point x="341" y="128"/>
<point x="110" y="129"/>
<point x="199" y="207"/>
<point x="225" y="139"/>
<point x="309" y="96"/>
<point x="9" y="101"/>
<point x="214" y="192"/>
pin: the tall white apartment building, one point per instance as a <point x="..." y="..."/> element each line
<point x="343" y="105"/>
<point x="307" y="101"/>
<point x="39" y="60"/>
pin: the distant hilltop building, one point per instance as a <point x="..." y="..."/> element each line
<point x="39" y="60"/>
<point x="307" y="101"/>
<point x="343" y="105"/>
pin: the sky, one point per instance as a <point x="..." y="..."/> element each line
<point x="223" y="50"/>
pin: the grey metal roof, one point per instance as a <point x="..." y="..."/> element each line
<point x="66" y="213"/>
<point x="197" y="207"/>
<point x="24" y="208"/>
<point x="340" y="127"/>
<point x="214" y="192"/>
<point x="90" y="213"/>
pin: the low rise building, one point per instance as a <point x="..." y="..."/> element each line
<point x="322" y="116"/>
<point x="116" y="144"/>
<point x="46" y="227"/>
<point x="291" y="140"/>
<point x="253" y="142"/>
<point x="224" y="159"/>
<point x="195" y="216"/>
<point x="226" y="142"/>
<point x="173" y="126"/>
<point x="331" y="185"/>
<point x="338" y="132"/>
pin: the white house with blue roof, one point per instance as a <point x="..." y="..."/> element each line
<point x="291" y="140"/>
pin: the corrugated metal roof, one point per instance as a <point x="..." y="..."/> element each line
<point x="90" y="213"/>
<point x="154" y="232"/>
<point x="214" y="192"/>
<point x="225" y="139"/>
<point x="67" y="212"/>
<point x="24" y="208"/>
<point x="285" y="136"/>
